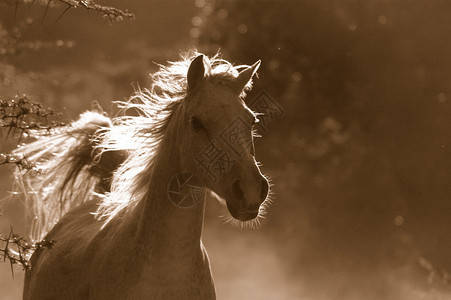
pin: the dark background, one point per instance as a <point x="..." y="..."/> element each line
<point x="360" y="160"/>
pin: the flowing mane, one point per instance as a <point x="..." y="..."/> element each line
<point x="140" y="130"/>
<point x="66" y="170"/>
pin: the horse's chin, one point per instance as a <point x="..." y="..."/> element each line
<point x="245" y="216"/>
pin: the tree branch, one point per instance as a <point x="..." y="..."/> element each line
<point x="112" y="13"/>
<point x="17" y="250"/>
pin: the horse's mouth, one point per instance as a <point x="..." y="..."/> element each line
<point x="242" y="214"/>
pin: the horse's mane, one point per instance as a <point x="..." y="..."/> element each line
<point x="111" y="159"/>
<point x="65" y="170"/>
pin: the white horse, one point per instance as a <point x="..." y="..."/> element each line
<point x="123" y="199"/>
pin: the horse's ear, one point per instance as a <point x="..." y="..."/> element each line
<point x="245" y="76"/>
<point x="196" y="72"/>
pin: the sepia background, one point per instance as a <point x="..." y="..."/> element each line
<point x="360" y="160"/>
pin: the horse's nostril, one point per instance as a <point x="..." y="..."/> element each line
<point x="264" y="190"/>
<point x="237" y="191"/>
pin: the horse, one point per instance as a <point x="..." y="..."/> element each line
<point x="123" y="198"/>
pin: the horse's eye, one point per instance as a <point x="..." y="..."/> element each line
<point x="196" y="123"/>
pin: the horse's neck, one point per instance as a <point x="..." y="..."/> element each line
<point x="174" y="260"/>
<point x="167" y="229"/>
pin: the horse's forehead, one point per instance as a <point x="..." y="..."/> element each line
<point x="216" y="98"/>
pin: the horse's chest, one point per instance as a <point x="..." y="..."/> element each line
<point x="186" y="278"/>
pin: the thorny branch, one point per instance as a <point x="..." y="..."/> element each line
<point x="112" y="13"/>
<point x="15" y="248"/>
<point x="20" y="115"/>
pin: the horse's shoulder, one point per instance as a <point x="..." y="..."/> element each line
<point x="71" y="237"/>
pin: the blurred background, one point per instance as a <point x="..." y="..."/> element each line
<point x="360" y="159"/>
